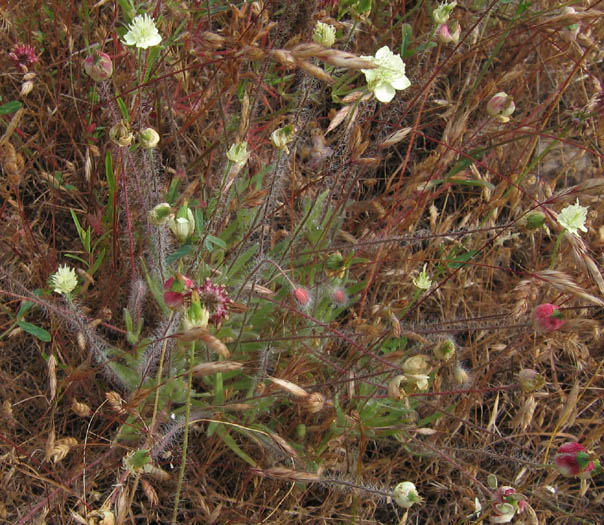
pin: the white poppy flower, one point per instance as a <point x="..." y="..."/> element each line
<point x="142" y="33"/>
<point x="388" y="77"/>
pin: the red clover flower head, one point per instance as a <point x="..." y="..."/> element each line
<point x="215" y="299"/>
<point x="23" y="56"/>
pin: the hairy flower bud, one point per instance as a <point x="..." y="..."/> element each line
<point x="501" y="106"/>
<point x="442" y="12"/>
<point x="160" y="214"/>
<point x="282" y="137"/>
<point x="149" y="138"/>
<point x="444" y="350"/>
<point x="449" y="33"/>
<point x="175" y="290"/>
<point x="183" y="223"/>
<point x="98" y="66"/>
<point x="405" y="494"/>
<point x="530" y="380"/>
<point x="534" y="220"/>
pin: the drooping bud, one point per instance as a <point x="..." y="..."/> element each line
<point x="501" y="106"/>
<point x="530" y="380"/>
<point x="160" y="214"/>
<point x="442" y="12"/>
<point x="196" y="316"/>
<point x="282" y="137"/>
<point x="444" y="350"/>
<point x="548" y="317"/>
<point x="149" y="138"/>
<point x="98" y="66"/>
<point x="449" y="33"/>
<point x="534" y="220"/>
<point x="405" y="494"/>
<point x="183" y="224"/>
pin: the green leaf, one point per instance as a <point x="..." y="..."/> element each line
<point x="460" y="260"/>
<point x="25" y="307"/>
<point x="211" y="240"/>
<point x="10" y="107"/>
<point x="407" y="35"/>
<point x="34" y="330"/>
<point x="123" y="109"/>
<point x="179" y="253"/>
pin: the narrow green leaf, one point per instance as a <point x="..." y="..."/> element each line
<point x="34" y="330"/>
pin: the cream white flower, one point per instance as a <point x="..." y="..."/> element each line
<point x="182" y="224"/>
<point x="324" y="34"/>
<point x="405" y="494"/>
<point x="442" y="12"/>
<point x="64" y="280"/>
<point x="423" y="281"/>
<point x="572" y="218"/>
<point x="142" y="33"/>
<point x="388" y="77"/>
<point x="238" y="153"/>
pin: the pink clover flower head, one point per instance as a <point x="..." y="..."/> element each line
<point x="23" y="56"/>
<point x="98" y="66"/>
<point x="339" y="297"/>
<point x="548" y="317"/>
<point x="572" y="459"/>
<point x="175" y="290"/>
<point x="215" y="299"/>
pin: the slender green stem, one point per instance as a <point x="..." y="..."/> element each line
<point x="556" y="250"/>
<point x="183" y="460"/>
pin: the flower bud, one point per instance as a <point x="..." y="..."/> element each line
<point x="282" y="137"/>
<point x="175" y="290"/>
<point x="501" y="106"/>
<point x="324" y="34"/>
<point x="530" y="380"/>
<point x="120" y="134"/>
<point x="314" y="402"/>
<point x="339" y="297"/>
<point x="149" y="138"/>
<point x="444" y="350"/>
<point x="160" y="214"/>
<point x="442" y="12"/>
<point x="302" y="296"/>
<point x="238" y="153"/>
<point x="461" y="376"/>
<point x="449" y="33"/>
<point x="534" y="220"/>
<point x="183" y="224"/>
<point x="573" y="459"/>
<point x="196" y="316"/>
<point x="405" y="494"/>
<point x="98" y="66"/>
<point x="547" y="317"/>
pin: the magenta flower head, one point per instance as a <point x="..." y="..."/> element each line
<point x="23" y="56"/>
<point x="98" y="66"/>
<point x="548" y="317"/>
<point x="215" y="299"/>
<point x="176" y="289"/>
<point x="573" y="459"/>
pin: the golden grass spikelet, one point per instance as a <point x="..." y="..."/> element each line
<point x="524" y="416"/>
<point x="81" y="409"/>
<point x="284" y="445"/>
<point x="116" y="402"/>
<point x="51" y="366"/>
<point x="6" y="411"/>
<point x="157" y="472"/>
<point x="287" y="474"/>
<point x="214" y="367"/>
<point x="61" y="448"/>
<point x="150" y="493"/>
<point x="564" y="283"/>
<point x="315" y="71"/>
<point x="289" y="387"/>
<point x="201" y="334"/>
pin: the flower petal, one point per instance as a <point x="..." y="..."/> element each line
<point x="400" y="83"/>
<point x="384" y="92"/>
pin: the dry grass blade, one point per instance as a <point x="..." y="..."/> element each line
<point x="563" y="282"/>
